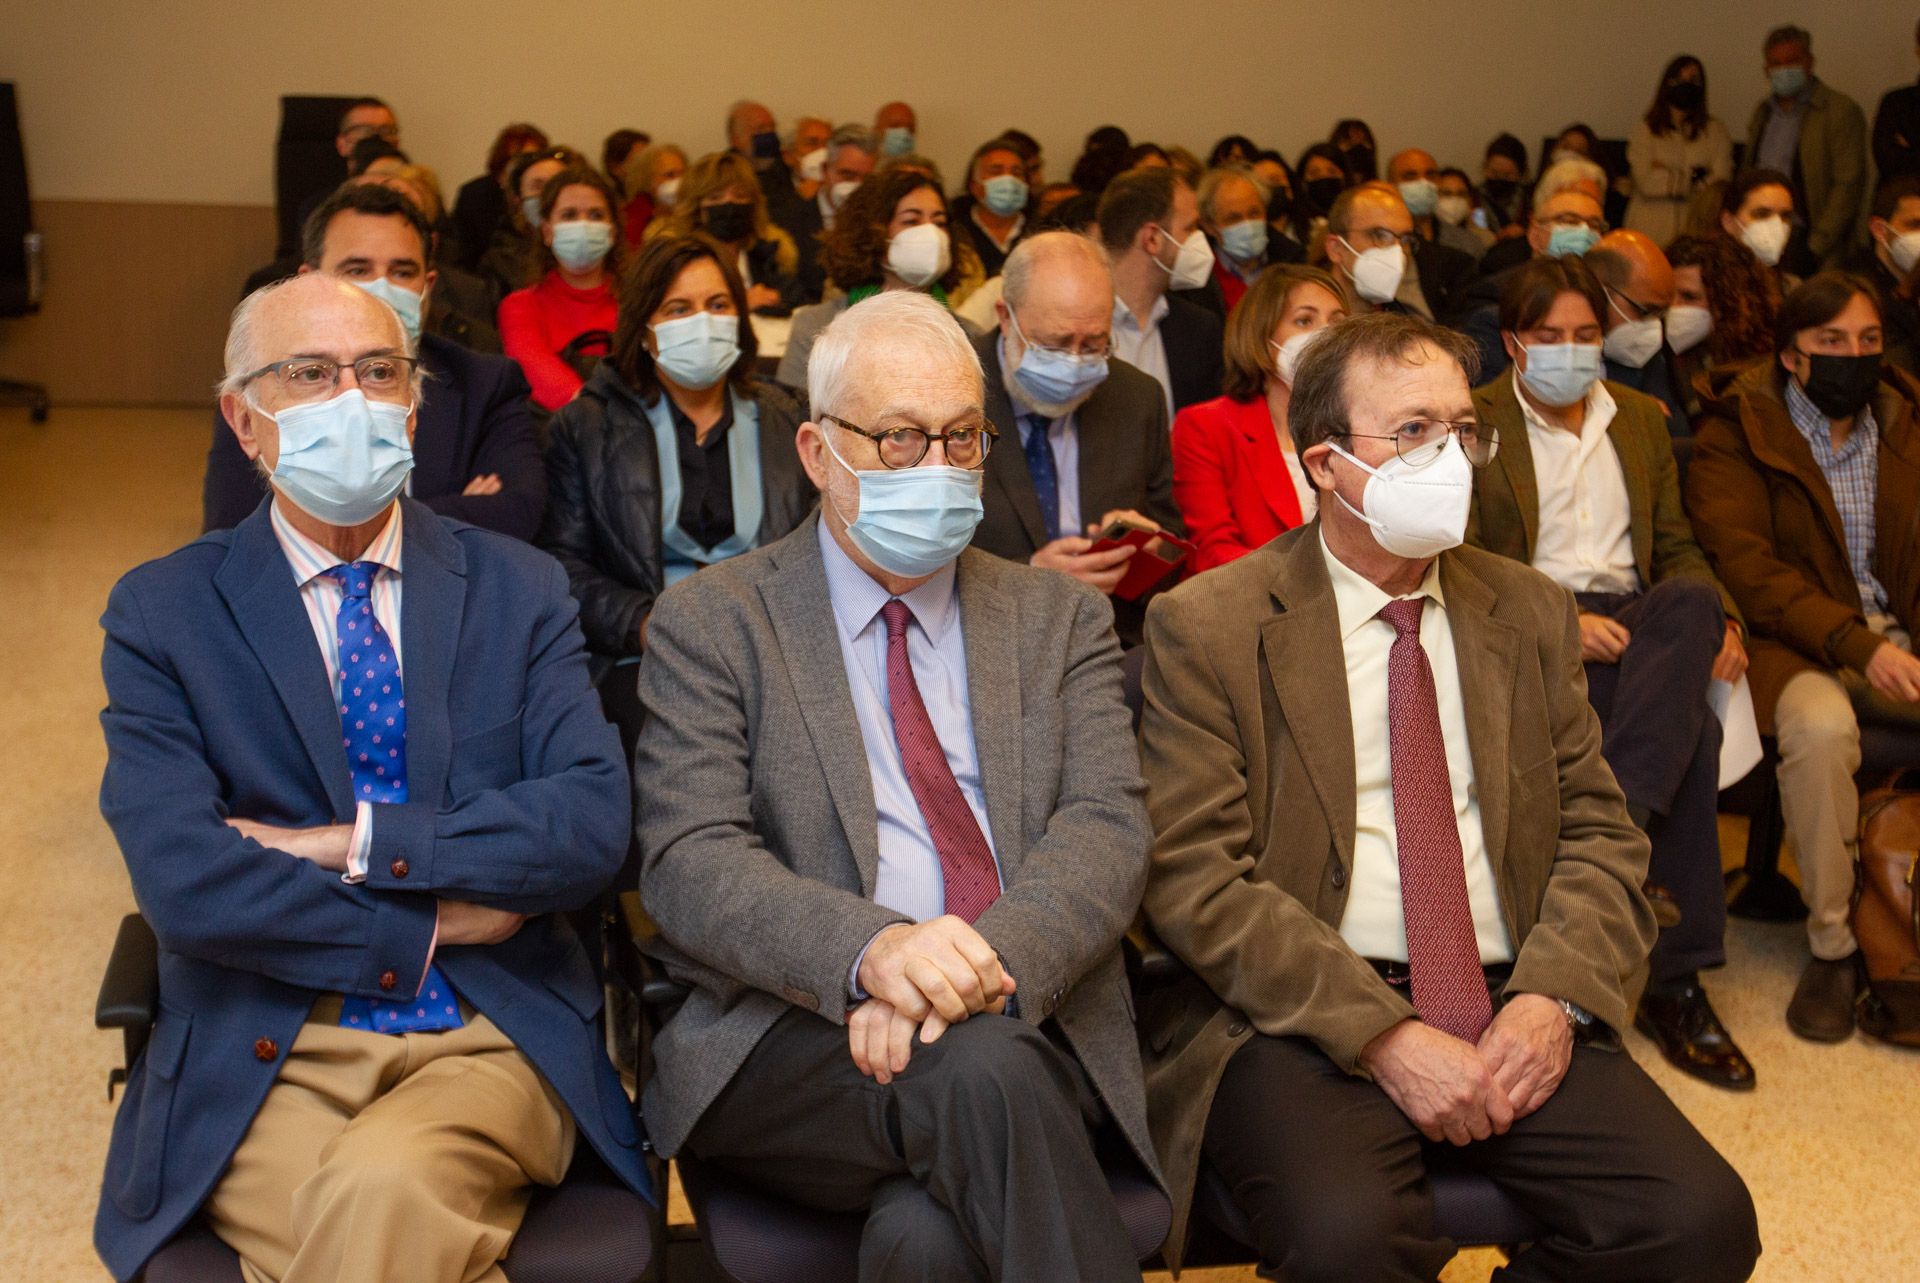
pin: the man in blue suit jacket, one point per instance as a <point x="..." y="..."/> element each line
<point x="376" y="1033"/>
<point x="476" y="457"/>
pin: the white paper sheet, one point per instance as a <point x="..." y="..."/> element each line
<point x="1739" y="731"/>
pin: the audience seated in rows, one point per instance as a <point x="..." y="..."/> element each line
<point x="558" y="326"/>
<point x="1150" y="226"/>
<point x="719" y="198"/>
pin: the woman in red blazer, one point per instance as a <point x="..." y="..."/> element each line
<point x="1235" y="474"/>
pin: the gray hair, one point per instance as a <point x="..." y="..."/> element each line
<point x="895" y="318"/>
<point x="1035" y="253"/>
<point x="852" y="136"/>
<point x="1563" y="174"/>
<point x="243" y="356"/>
<point x="1789" y="35"/>
<point x="1320" y="406"/>
<point x="1214" y="179"/>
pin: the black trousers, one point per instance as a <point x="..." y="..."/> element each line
<point x="1663" y="743"/>
<point x="1333" y="1177"/>
<point x="977" y="1162"/>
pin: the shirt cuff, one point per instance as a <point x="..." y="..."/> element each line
<point x="855" y="994"/>
<point x="361" y="845"/>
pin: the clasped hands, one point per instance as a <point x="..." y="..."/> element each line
<point x="329" y="846"/>
<point x="1460" y="1092"/>
<point x="927" y="976"/>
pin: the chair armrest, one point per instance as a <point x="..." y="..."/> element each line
<point x="1150" y="965"/>
<point x="129" y="992"/>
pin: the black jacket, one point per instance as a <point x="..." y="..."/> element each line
<point x="800" y="218"/>
<point x="478" y="211"/>
<point x="1193" y="337"/>
<point x="992" y="258"/>
<point x="1446" y="274"/>
<point x="1896" y="133"/>
<point x="603" y="509"/>
<point x="473" y="421"/>
<point x="1126" y="461"/>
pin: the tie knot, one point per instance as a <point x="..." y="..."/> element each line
<point x="355" y="580"/>
<point x="1404" y="615"/>
<point x="896" y="614"/>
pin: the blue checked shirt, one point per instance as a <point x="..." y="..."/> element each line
<point x="1853" y="475"/>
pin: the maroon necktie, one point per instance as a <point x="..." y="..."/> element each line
<point x="1443" y="954"/>
<point x="966" y="862"/>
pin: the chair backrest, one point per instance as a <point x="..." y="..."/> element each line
<point x="19" y="268"/>
<point x="305" y="163"/>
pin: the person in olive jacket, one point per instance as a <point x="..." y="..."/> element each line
<point x="671" y="457"/>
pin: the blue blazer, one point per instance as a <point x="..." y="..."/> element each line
<point x="218" y="704"/>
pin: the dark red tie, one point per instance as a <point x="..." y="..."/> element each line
<point x="1443" y="954"/>
<point x="966" y="862"/>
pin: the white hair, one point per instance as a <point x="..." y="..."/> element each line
<point x="1036" y="252"/>
<point x="1214" y="179"/>
<point x="1563" y="174"/>
<point x="894" y="319"/>
<point x="856" y="136"/>
<point x="243" y="355"/>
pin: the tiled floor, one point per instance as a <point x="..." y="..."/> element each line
<point x="1830" y="1143"/>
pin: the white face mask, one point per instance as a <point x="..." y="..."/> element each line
<point x="1687" y="326"/>
<point x="813" y="165"/>
<point x="1416" y="513"/>
<point x="1904" y="250"/>
<point x="666" y="192"/>
<point x="1452" y="209"/>
<point x="1767" y="238"/>
<point x="838" y="193"/>
<point x="1192" y="263"/>
<point x="1376" y="273"/>
<point x="920" y="254"/>
<point x="1631" y="342"/>
<point x="1286" y="356"/>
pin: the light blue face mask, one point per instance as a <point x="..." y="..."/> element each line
<point x="1787" y="81"/>
<point x="342" y="460"/>
<point x="1573" y="241"/>
<point x="400" y="299"/>
<point x="913" y="521"/>
<point x="1560" y="374"/>
<point x="897" y="141"/>
<point x="1421" y="195"/>
<point x="697" y="351"/>
<point x="1245" y="242"/>
<point x="579" y="245"/>
<point x="1006" y="194"/>
<point x="1055" y="381"/>
<point x="530" y="210"/>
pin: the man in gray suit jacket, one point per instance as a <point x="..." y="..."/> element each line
<point x="892" y="832"/>
<point x="1084" y="435"/>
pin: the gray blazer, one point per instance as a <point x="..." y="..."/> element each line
<point x="758" y="836"/>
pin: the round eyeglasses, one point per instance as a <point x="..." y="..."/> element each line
<point x="966" y="446"/>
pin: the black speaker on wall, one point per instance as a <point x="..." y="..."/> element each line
<point x="305" y="165"/>
<point x="19" y="246"/>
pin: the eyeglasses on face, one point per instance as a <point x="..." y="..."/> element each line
<point x="904" y="447"/>
<point x="1418" y="442"/>
<point x="315" y="378"/>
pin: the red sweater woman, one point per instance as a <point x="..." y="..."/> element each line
<point x="575" y="296"/>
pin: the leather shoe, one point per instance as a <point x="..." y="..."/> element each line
<point x="1822" y="1006"/>
<point x="1683" y="1025"/>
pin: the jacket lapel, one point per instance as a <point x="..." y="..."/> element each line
<point x="1270" y="472"/>
<point x="257" y="584"/>
<point x="433" y="584"/>
<point x="1639" y="482"/>
<point x="442" y="410"/>
<point x="991" y="634"/>
<point x="1487" y="652"/>
<point x="1787" y="451"/>
<point x="1306" y="665"/>
<point x="1515" y="461"/>
<point x="802" y="613"/>
<point x="1007" y="464"/>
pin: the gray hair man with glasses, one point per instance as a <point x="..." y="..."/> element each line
<point x="1401" y="873"/>
<point x="891" y="835"/>
<point x="1085" y="441"/>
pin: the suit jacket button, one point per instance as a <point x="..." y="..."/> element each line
<point x="388" y="980"/>
<point x="398" y="868"/>
<point x="1339" y="877"/>
<point x="265" y="1049"/>
<point x="1237" y="1028"/>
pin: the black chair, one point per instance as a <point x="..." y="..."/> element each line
<point x="19" y="248"/>
<point x="588" y="1229"/>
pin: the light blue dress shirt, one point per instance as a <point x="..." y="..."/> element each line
<point x="909" y="879"/>
<point x="1063" y="436"/>
<point x="1779" y="145"/>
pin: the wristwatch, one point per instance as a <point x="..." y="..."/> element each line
<point x="1578" y="1017"/>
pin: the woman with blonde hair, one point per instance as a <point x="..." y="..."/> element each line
<point x="721" y="197"/>
<point x="652" y="175"/>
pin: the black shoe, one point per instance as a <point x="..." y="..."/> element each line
<point x="1683" y="1025"/>
<point x="1822" y="1006"/>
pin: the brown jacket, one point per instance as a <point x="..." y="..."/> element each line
<point x="1506" y="493"/>
<point x="1248" y="753"/>
<point x="1765" y="515"/>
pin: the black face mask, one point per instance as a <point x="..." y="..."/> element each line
<point x="1322" y="192"/>
<point x="728" y="221"/>
<point x="1841" y="386"/>
<point x="765" y="145"/>
<point x="1278" y="204"/>
<point x="1687" y="95"/>
<point x="1500" y="191"/>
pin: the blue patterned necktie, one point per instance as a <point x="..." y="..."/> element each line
<point x="1046" y="482"/>
<point x="373" y="726"/>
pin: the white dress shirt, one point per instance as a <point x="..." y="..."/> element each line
<point x="1585" y="540"/>
<point x="1374" y="924"/>
<point x="1142" y="347"/>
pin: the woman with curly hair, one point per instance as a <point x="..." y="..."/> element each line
<point x="1724" y="304"/>
<point x="891" y="234"/>
<point x="721" y="197"/>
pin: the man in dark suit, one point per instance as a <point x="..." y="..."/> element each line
<point x="1371" y="242"/>
<point x="1638" y="283"/>
<point x="1083" y="436"/>
<point x="355" y="810"/>
<point x="476" y="458"/>
<point x="850" y="156"/>
<point x="891" y="835"/>
<point x="1150" y="224"/>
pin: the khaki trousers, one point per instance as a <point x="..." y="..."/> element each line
<point x="403" y="1157"/>
<point x="1818" y="736"/>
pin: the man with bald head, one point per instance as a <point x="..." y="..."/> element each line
<point x="891" y="834"/>
<point x="1372" y="246"/>
<point x="1638" y="281"/>
<point x="1084" y="434"/>
<point x="1417" y="176"/>
<point x="359" y="778"/>
<point x="897" y="129"/>
<point x="752" y="133"/>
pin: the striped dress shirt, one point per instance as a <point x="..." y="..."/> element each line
<point x="1853" y="475"/>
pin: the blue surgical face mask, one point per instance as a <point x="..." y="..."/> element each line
<point x="697" y="351"/>
<point x="1055" y="382"/>
<point x="342" y="460"/>
<point x="1574" y="241"/>
<point x="1245" y="242"/>
<point x="1421" y="195"/>
<point x="530" y="210"/>
<point x="1006" y="194"/>
<point x="913" y="521"/>
<point x="1787" y="81"/>
<point x="580" y="245"/>
<point x="897" y="141"/>
<point x="402" y="300"/>
<point x="1560" y="374"/>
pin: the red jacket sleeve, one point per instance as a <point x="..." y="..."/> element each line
<point x="1201" y="464"/>
<point x="523" y="336"/>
